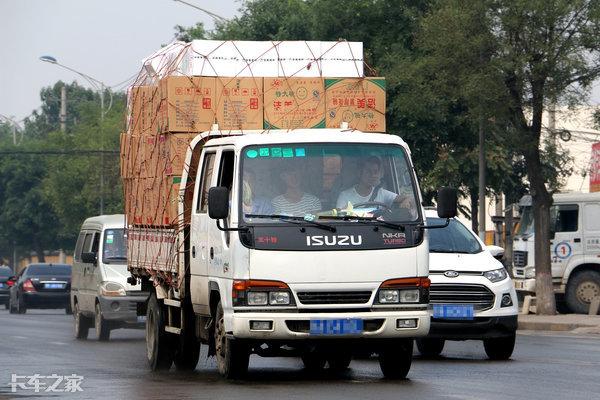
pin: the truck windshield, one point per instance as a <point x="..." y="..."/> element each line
<point x="114" y="250"/>
<point x="455" y="238"/>
<point x="329" y="181"/>
<point x="525" y="227"/>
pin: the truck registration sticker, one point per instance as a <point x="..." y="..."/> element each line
<point x="336" y="326"/>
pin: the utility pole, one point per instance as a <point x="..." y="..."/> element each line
<point x="102" y="148"/>
<point x="481" y="181"/>
<point x="63" y="109"/>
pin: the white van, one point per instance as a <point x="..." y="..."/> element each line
<point x="100" y="295"/>
<point x="575" y="219"/>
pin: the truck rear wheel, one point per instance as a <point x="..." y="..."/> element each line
<point x="158" y="349"/>
<point x="429" y="347"/>
<point x="581" y="290"/>
<point x="232" y="355"/>
<point x="499" y="348"/>
<point x="395" y="358"/>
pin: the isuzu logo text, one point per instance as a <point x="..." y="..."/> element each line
<point x="338" y="240"/>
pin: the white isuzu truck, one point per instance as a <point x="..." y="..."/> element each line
<point x="575" y="219"/>
<point x="307" y="242"/>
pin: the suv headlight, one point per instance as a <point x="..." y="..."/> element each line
<point x="112" y="289"/>
<point x="496" y="275"/>
<point x="530" y="272"/>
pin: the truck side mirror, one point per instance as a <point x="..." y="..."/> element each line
<point x="88" y="258"/>
<point x="218" y="202"/>
<point x="446" y="202"/>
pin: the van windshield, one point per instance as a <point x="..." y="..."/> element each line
<point x="114" y="250"/>
<point x="328" y="181"/>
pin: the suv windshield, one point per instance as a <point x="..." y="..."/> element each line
<point x="327" y="181"/>
<point x="114" y="250"/>
<point x="455" y="238"/>
<point x="52" y="269"/>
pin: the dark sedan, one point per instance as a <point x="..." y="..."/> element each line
<point x="41" y="286"/>
<point x="5" y="283"/>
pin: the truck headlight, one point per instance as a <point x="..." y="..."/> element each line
<point x="403" y="290"/>
<point x="112" y="289"/>
<point x="387" y="296"/>
<point x="257" y="298"/>
<point x="261" y="293"/>
<point x="530" y="272"/>
<point x="496" y="275"/>
<point x="409" y="296"/>
<point x="279" y="298"/>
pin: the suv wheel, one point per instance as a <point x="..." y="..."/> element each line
<point x="500" y="348"/>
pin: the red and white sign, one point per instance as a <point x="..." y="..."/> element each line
<point x="595" y="168"/>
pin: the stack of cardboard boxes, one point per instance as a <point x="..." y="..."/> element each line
<point x="164" y="118"/>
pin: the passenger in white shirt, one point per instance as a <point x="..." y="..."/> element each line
<point x="369" y="180"/>
<point x="294" y="201"/>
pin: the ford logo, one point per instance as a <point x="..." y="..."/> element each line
<point x="451" y="274"/>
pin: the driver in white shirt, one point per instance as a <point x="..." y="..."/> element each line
<point x="369" y="181"/>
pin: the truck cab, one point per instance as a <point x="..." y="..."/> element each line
<point x="575" y="248"/>
<point x="309" y="244"/>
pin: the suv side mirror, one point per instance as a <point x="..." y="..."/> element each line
<point x="446" y="202"/>
<point x="218" y="202"/>
<point x="88" y="258"/>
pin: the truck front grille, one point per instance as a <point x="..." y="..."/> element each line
<point x="478" y="295"/>
<point x="334" y="297"/>
<point x="519" y="258"/>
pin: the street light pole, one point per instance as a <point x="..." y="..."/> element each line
<point x="101" y="88"/>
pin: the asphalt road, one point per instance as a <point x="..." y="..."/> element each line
<point x="41" y="342"/>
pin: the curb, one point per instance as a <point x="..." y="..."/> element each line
<point x="550" y="326"/>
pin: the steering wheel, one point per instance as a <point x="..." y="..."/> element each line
<point x="379" y="205"/>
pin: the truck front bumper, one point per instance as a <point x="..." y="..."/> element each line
<point x="294" y="325"/>
<point x="528" y="285"/>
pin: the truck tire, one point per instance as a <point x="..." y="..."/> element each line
<point x="81" y="324"/>
<point x="102" y="326"/>
<point x="395" y="359"/>
<point x="499" y="348"/>
<point x="313" y="361"/>
<point x="581" y="289"/>
<point x="430" y="348"/>
<point x="158" y="346"/>
<point x="232" y="355"/>
<point x="187" y="351"/>
<point x="339" y="362"/>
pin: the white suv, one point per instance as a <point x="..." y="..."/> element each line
<point x="471" y="294"/>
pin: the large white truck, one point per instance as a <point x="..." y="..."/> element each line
<point x="282" y="255"/>
<point x="575" y="247"/>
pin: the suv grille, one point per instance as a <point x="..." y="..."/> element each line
<point x="480" y="296"/>
<point x="519" y="259"/>
<point x="334" y="297"/>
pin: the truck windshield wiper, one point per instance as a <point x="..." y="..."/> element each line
<point x="363" y="219"/>
<point x="293" y="219"/>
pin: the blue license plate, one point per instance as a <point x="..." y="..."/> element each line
<point x="53" y="286"/>
<point x="453" y="311"/>
<point x="336" y="326"/>
<point x="2" y="285"/>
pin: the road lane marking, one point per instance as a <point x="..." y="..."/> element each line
<point x="59" y="343"/>
<point x="19" y="337"/>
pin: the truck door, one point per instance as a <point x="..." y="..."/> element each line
<point x="219" y="254"/>
<point x="200" y="222"/>
<point x="568" y="239"/>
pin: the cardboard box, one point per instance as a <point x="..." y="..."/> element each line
<point x="292" y="103"/>
<point x="152" y="201"/>
<point x="173" y="151"/>
<point x="240" y="103"/>
<point x="358" y="101"/>
<point x="187" y="104"/>
<point x="140" y="100"/>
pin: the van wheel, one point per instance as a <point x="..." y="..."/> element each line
<point x="101" y="325"/>
<point x="581" y="290"/>
<point x="81" y="324"/>
<point x="232" y="355"/>
<point x="158" y="350"/>
<point x="395" y="359"/>
<point x="499" y="348"/>
<point x="430" y="347"/>
<point x="313" y="361"/>
<point x="187" y="352"/>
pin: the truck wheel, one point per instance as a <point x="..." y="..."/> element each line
<point x="581" y="290"/>
<point x="499" y="348"/>
<point x="395" y="359"/>
<point x="101" y="325"/>
<point x="81" y="324"/>
<point x="187" y="351"/>
<point x="429" y="347"/>
<point x="158" y="350"/>
<point x="232" y="355"/>
<point x="339" y="362"/>
<point x="313" y="361"/>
